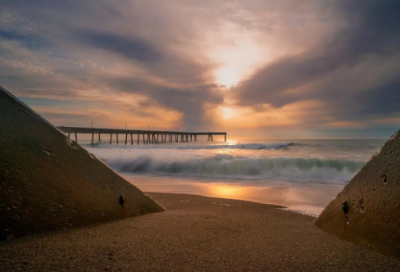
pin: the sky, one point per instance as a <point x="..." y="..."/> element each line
<point x="252" y="68"/>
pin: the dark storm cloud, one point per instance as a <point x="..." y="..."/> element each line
<point x="168" y="53"/>
<point x="86" y="27"/>
<point x="190" y="101"/>
<point x="380" y="101"/>
<point x="372" y="30"/>
<point x="28" y="40"/>
<point x="129" y="47"/>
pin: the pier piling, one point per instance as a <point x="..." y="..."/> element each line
<point x="148" y="136"/>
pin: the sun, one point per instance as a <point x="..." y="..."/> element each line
<point x="227" y="76"/>
<point x="228" y="113"/>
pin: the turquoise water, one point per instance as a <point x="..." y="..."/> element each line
<point x="303" y="175"/>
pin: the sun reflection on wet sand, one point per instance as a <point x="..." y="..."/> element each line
<point x="308" y="199"/>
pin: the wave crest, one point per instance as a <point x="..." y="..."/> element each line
<point x="253" y="146"/>
<point x="284" y="169"/>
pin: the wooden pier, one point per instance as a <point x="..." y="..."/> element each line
<point x="144" y="136"/>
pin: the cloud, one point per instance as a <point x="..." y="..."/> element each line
<point x="88" y="60"/>
<point x="152" y="59"/>
<point x="132" y="48"/>
<point x="190" y="101"/>
<point x="371" y="31"/>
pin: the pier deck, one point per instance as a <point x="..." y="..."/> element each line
<point x="148" y="136"/>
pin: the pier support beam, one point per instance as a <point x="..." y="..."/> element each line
<point x="149" y="136"/>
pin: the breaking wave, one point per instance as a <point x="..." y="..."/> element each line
<point x="278" y="169"/>
<point x="236" y="146"/>
<point x="252" y="146"/>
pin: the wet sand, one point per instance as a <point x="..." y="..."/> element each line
<point x="195" y="234"/>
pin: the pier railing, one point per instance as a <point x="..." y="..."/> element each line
<point x="144" y="136"/>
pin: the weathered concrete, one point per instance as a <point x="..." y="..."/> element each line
<point x="48" y="182"/>
<point x="367" y="211"/>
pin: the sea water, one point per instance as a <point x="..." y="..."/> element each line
<point x="301" y="175"/>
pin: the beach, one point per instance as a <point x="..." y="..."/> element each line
<point x="302" y="175"/>
<point x="196" y="233"/>
<point x="80" y="215"/>
<point x="199" y="135"/>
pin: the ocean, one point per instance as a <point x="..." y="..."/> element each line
<point x="301" y="175"/>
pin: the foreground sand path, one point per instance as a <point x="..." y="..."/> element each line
<point x="195" y="234"/>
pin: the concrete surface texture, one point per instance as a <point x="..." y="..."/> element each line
<point x="48" y="182"/>
<point x="367" y="211"/>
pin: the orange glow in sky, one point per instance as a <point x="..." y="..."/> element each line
<point x="260" y="66"/>
<point x="228" y="76"/>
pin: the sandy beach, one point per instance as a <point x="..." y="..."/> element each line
<point x="196" y="233"/>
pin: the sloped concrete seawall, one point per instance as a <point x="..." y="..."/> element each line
<point x="367" y="211"/>
<point x="48" y="182"/>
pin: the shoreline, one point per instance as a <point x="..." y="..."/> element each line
<point x="275" y="205"/>
<point x="307" y="199"/>
<point x="196" y="233"/>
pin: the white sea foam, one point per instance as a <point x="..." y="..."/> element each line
<point x="250" y="146"/>
<point x="298" y="174"/>
<point x="218" y="166"/>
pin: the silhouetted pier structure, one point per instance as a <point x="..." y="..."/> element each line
<point x="144" y="136"/>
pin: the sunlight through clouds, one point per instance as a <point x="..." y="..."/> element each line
<point x="209" y="64"/>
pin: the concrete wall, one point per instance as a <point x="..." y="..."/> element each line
<point x="48" y="182"/>
<point x="367" y="211"/>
